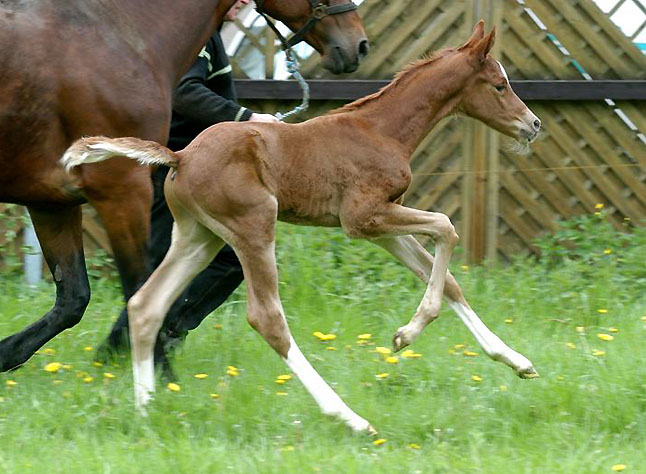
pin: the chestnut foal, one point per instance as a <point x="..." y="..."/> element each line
<point x="346" y="169"/>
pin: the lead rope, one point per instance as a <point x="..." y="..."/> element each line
<point x="293" y="68"/>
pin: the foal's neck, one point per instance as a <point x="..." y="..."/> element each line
<point x="409" y="108"/>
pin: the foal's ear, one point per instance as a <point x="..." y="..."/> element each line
<point x="477" y="35"/>
<point x="482" y="47"/>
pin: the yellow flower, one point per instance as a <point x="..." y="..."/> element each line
<point x="285" y="377"/>
<point x="509" y="320"/>
<point x="279" y="381"/>
<point x="602" y="311"/>
<point x="618" y="467"/>
<point x="382" y="350"/>
<point x="288" y="448"/>
<point x="318" y="334"/>
<point x="460" y="346"/>
<point x="109" y="375"/>
<point x="364" y="337"/>
<point x="451" y="351"/>
<point x="11" y="383"/>
<point x="613" y="329"/>
<point x="379" y="441"/>
<point x="413" y="446"/>
<point x="503" y="388"/>
<point x="214" y="396"/>
<point x="470" y="353"/>
<point x="598" y="353"/>
<point x="570" y="345"/>
<point x="49" y="351"/>
<point x="392" y="360"/>
<point x="97" y="364"/>
<point x="580" y="329"/>
<point x="200" y="376"/>
<point x="330" y="348"/>
<point x="88" y="348"/>
<point x="233" y="372"/>
<point x="598" y="206"/>
<point x="53" y="367"/>
<point x="217" y="326"/>
<point x="88" y="379"/>
<point x="644" y="318"/>
<point x="465" y="267"/>
<point x="383" y="375"/>
<point x="173" y="387"/>
<point x="476" y="378"/>
<point x="408" y="354"/>
<point x="607" y="251"/>
<point x="57" y="382"/>
<point x="66" y="366"/>
<point x="281" y="394"/>
<point x="324" y="337"/>
<point x="605" y="337"/>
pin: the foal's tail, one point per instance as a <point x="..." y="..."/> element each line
<point x="95" y="149"/>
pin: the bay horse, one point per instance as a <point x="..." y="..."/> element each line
<point x="87" y="67"/>
<point x="347" y="169"/>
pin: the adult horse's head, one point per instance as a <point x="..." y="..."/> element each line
<point x="489" y="96"/>
<point x="332" y="27"/>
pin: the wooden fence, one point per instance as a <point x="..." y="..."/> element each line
<point x="591" y="151"/>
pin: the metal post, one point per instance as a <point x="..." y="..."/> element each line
<point x="33" y="258"/>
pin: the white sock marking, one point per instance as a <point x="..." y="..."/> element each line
<point x="327" y="399"/>
<point x="490" y="343"/>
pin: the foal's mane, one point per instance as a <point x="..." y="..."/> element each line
<point x="408" y="70"/>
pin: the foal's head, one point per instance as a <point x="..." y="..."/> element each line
<point x="488" y="96"/>
<point x="337" y="34"/>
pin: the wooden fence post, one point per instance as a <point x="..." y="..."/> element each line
<point x="480" y="191"/>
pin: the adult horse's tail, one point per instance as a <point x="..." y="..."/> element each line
<point x="95" y="149"/>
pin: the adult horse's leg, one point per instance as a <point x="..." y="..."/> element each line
<point x="121" y="192"/>
<point x="192" y="248"/>
<point x="414" y="256"/>
<point x="254" y="245"/>
<point x="59" y="233"/>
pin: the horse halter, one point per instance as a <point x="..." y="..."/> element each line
<point x="319" y="11"/>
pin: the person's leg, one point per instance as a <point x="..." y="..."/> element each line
<point x="206" y="293"/>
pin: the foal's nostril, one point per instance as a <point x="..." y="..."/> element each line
<point x="364" y="47"/>
<point x="537" y="124"/>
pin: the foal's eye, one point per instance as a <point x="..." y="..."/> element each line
<point x="501" y="87"/>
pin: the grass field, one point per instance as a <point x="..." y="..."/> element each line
<point x="444" y="412"/>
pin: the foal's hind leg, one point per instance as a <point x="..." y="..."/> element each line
<point x="192" y="248"/>
<point x="414" y="256"/>
<point x="265" y="314"/>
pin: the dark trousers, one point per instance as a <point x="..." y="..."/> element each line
<point x="205" y="293"/>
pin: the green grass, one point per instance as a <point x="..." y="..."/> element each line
<point x="585" y="414"/>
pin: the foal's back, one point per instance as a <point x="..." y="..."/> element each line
<point x="312" y="169"/>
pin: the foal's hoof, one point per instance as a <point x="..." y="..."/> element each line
<point x="399" y="340"/>
<point x="371" y="431"/>
<point x="528" y="373"/>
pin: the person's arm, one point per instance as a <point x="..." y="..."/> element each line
<point x="195" y="101"/>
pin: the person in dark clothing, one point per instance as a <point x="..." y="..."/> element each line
<point x="204" y="96"/>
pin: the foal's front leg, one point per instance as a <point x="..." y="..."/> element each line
<point x="414" y="256"/>
<point x="391" y="219"/>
